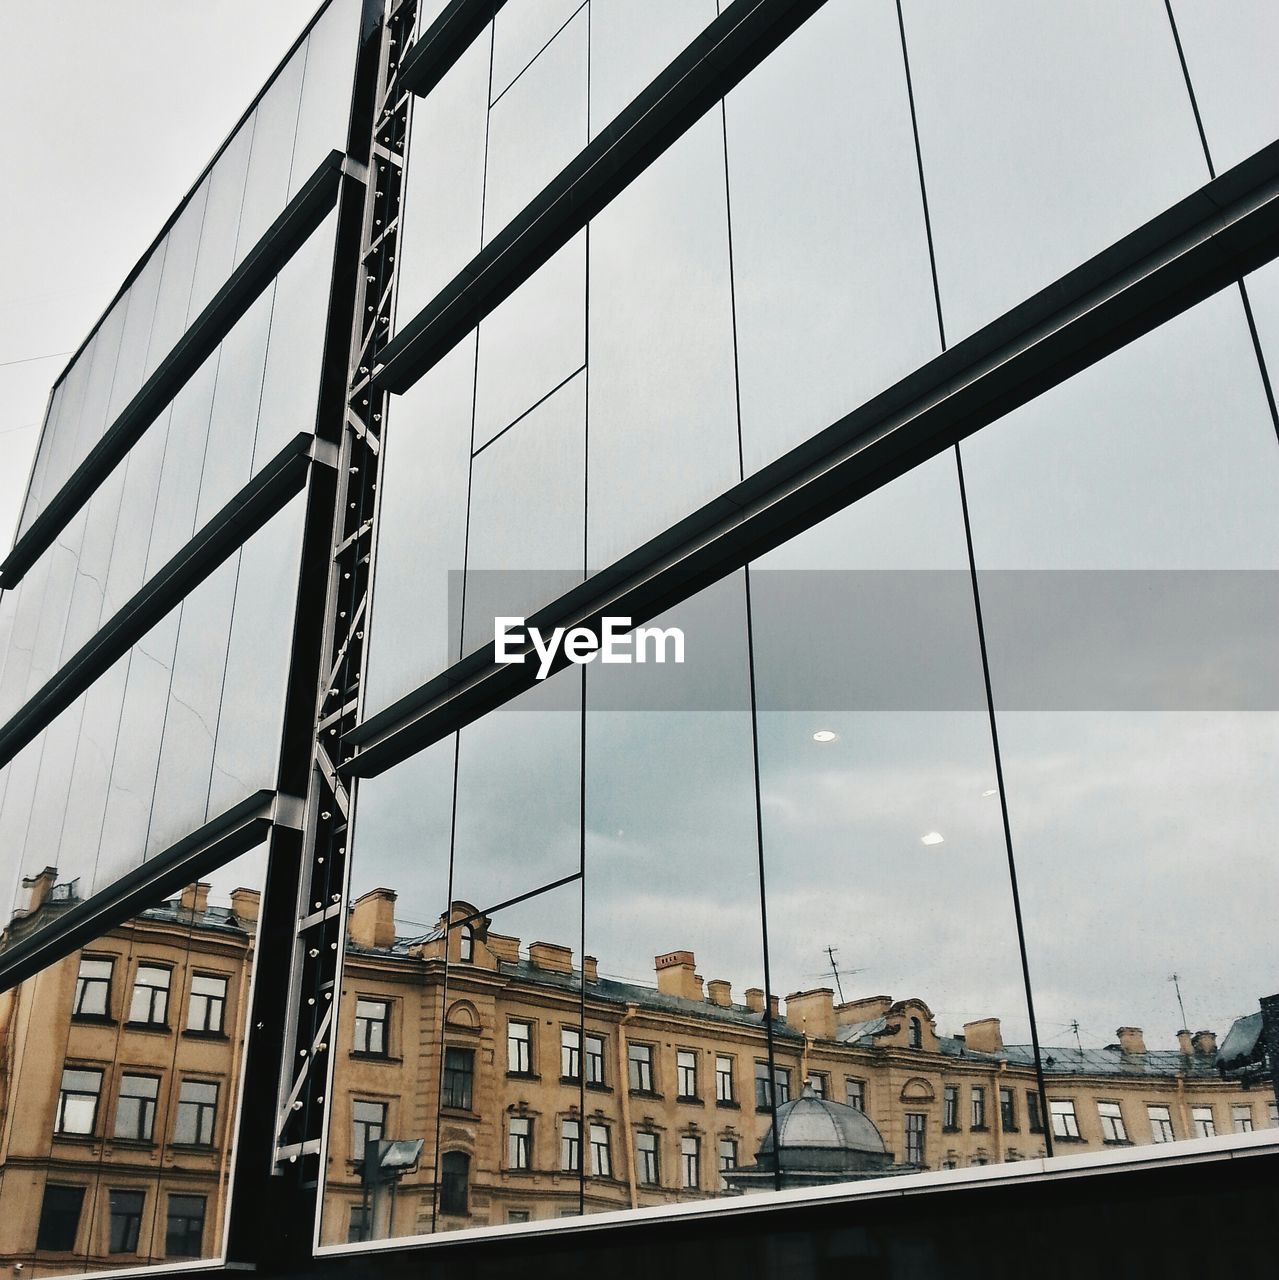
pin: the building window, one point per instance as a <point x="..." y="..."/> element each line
<point x="1241" y="1117"/>
<point x="686" y="1074"/>
<point x="517" y="1215"/>
<point x="1034" y="1121"/>
<point x="59" y="1218"/>
<point x="93" y="989"/>
<point x="1065" y="1122"/>
<point x="690" y="1160"/>
<point x="570" y="1054"/>
<point x="371" y="1019"/>
<point x="197" y="1111"/>
<point x="519" y="1142"/>
<point x="723" y="1078"/>
<point x="184" y="1231"/>
<point x="639" y="1059"/>
<point x="781" y="1086"/>
<point x="950" y="1107"/>
<point x="855" y="1092"/>
<point x="646" y="1164"/>
<point x="601" y="1158"/>
<point x="1202" y="1123"/>
<point x="570" y="1145"/>
<point x="817" y="1083"/>
<point x="459" y="1078"/>
<point x="125" y="1220"/>
<point x="595" y="1060"/>
<point x="519" y="1048"/>
<point x="150" y="1003"/>
<point x="135" y="1107"/>
<point x="78" y="1101"/>
<point x="208" y="1003"/>
<point x="916" y="1034"/>
<point x="978" y="1107"/>
<point x="455" y="1177"/>
<point x="915" y="1122"/>
<point x="1160" y="1122"/>
<point x="1007" y="1111"/>
<point x="357" y="1227"/>
<point x="368" y="1120"/>
<point x="466" y="944"/>
<point x="1112" y="1122"/>
<point x="727" y="1160"/>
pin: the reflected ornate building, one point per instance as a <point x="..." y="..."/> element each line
<point x="119" y="1071"/>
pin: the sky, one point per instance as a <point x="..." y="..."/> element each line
<point x="108" y="117"/>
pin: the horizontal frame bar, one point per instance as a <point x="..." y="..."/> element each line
<point x="722" y="55"/>
<point x="434" y="52"/>
<point x="219" y="840"/>
<point x="1203" y="243"/>
<point x="263" y="497"/>
<point x="279" y="242"/>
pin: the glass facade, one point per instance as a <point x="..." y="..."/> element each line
<point x="926" y="825"/>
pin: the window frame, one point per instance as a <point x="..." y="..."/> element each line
<point x="686" y="1074"/>
<point x="188" y="1219"/>
<point x="151" y="1021"/>
<point x="132" y="1220"/>
<point x="1161" y="1126"/>
<point x="639" y="1066"/>
<point x="570" y="1054"/>
<point x="690" y="1162"/>
<point x="363" y="1022"/>
<point x="977" y="1107"/>
<point x="212" y="1002"/>
<point x="451" y="1179"/>
<point x="143" y="1112"/>
<point x="601" y="1142"/>
<point x="570" y="1145"/>
<point x="519" y="1143"/>
<point x="202" y="1110"/>
<point x="648" y="1160"/>
<point x="84" y="984"/>
<point x="725" y="1096"/>
<point x="60" y="1128"/>
<point x="519" y="1049"/>
<point x="51" y="1217"/>
<point x="358" y="1148"/>
<point x="1114" y="1132"/>
<point x="1201" y="1126"/>
<point x="1064" y="1108"/>
<point x="457" y="1083"/>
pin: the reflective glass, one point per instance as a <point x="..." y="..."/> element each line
<point x="536" y="127"/>
<point x="181" y="247"/>
<point x="443" y="204"/>
<point x="97" y="393"/>
<point x="64" y="437"/>
<point x="137" y="334"/>
<point x="833" y="294"/>
<point x="85" y="609"/>
<point x="221" y="223"/>
<point x="1139" y="744"/>
<point x="663" y="429"/>
<point x="1048" y="131"/>
<point x="631" y="44"/>
<point x="521" y="31"/>
<point x="1231" y="73"/>
<point x="532" y="341"/>
<point x="327" y="87"/>
<point x="426" y="466"/>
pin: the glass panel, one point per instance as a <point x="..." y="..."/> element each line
<point x="326" y="89"/>
<point x="1047" y="131"/>
<point x="661" y="403"/>
<point x="528" y="488"/>
<point x="1231" y="73"/>
<point x="181" y="246"/>
<point x="631" y="44"/>
<point x="1139" y="745"/>
<point x="94" y="1104"/>
<point x="84" y="612"/>
<point x="221" y="220"/>
<point x="522" y="31"/>
<point x="137" y="334"/>
<point x="672" y="893"/>
<point x="532" y="342"/>
<point x="443" y="205"/>
<point x="427" y="460"/>
<point x="64" y="438"/>
<point x="833" y="293"/>
<point x="536" y="127"/>
<point x="97" y="394"/>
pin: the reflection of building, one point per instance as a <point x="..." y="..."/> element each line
<point x="676" y="1083"/>
<point x="118" y="1074"/>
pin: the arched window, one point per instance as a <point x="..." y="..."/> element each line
<point x="916" y="1034"/>
<point x="466" y="944"/>
<point x="455" y="1175"/>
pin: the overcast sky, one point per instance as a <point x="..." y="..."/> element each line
<point x="108" y="111"/>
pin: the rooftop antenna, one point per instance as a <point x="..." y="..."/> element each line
<point x="836" y="972"/>
<point x="1175" y="979"/>
<point x="1074" y="1026"/>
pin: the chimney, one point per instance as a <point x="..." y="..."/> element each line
<point x="503" y="946"/>
<point x="984" y="1036"/>
<point x="676" y="975"/>
<point x="1204" y="1043"/>
<point x="38" y="887"/>
<point x="866" y="1010"/>
<point x="812" y="1012"/>
<point x="590" y="969"/>
<point x="1183" y="1042"/>
<point x="372" y="919"/>
<point x="245" y="903"/>
<point x="774" y="1008"/>
<point x="720" y="992"/>
<point x="1131" y="1040"/>
<point x="550" y="955"/>
<point x="755" y="999"/>
<point x="195" y="898"/>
